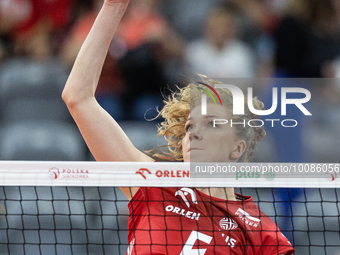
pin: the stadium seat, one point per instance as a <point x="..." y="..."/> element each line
<point x="27" y="78"/>
<point x="41" y="140"/>
<point x="31" y="89"/>
<point x="35" y="109"/>
<point x="142" y="134"/>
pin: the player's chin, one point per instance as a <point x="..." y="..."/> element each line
<point x="197" y="156"/>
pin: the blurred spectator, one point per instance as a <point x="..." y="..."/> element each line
<point x="258" y="20"/>
<point x="2" y="50"/>
<point x="220" y="53"/>
<point x="31" y="24"/>
<point x="142" y="23"/>
<point x="135" y="67"/>
<point x="188" y="16"/>
<point x="308" y="39"/>
<point x="152" y="47"/>
<point x="29" y="32"/>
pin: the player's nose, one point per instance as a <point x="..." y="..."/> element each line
<point x="195" y="134"/>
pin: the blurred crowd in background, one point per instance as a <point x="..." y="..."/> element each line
<point x="161" y="44"/>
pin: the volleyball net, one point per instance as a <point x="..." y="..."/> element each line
<point x="77" y="207"/>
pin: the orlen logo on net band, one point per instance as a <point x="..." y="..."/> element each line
<point x="68" y="173"/>
<point x="144" y="172"/>
<point x="238" y="104"/>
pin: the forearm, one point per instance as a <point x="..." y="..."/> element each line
<point x="85" y="73"/>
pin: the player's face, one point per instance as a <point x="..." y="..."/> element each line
<point x="205" y="143"/>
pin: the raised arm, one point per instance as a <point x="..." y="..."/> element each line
<point x="103" y="136"/>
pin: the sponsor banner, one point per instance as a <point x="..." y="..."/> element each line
<point x="93" y="173"/>
<point x="153" y="174"/>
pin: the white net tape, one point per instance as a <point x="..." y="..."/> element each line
<point x="155" y="174"/>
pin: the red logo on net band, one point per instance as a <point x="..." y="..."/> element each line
<point x="165" y="173"/>
<point x="142" y="170"/>
<point x="334" y="175"/>
<point x="69" y="173"/>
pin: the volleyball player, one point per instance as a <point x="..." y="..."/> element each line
<point x="174" y="220"/>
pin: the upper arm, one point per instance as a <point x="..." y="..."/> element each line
<point x="104" y="137"/>
<point x="102" y="134"/>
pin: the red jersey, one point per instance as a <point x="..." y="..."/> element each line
<point x="185" y="221"/>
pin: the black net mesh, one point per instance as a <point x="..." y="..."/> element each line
<point x="93" y="220"/>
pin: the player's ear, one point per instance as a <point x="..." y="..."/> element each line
<point x="238" y="150"/>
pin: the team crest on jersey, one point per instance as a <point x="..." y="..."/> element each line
<point x="184" y="192"/>
<point x="249" y="220"/>
<point x="228" y="224"/>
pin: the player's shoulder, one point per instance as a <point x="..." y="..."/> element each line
<point x="249" y="212"/>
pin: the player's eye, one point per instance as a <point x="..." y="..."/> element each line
<point x="211" y="124"/>
<point x="188" y="127"/>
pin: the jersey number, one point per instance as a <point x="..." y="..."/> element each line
<point x="187" y="249"/>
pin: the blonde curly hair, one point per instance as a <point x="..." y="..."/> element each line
<point x="177" y="109"/>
